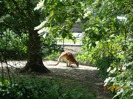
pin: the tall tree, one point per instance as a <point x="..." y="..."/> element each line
<point x="106" y="37"/>
<point x="22" y="19"/>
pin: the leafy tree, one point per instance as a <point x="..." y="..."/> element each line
<point x="20" y="17"/>
<point x="107" y="39"/>
<point x="60" y="16"/>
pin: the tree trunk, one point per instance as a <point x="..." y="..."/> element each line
<point x="34" y="62"/>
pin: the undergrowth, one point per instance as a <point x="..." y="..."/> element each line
<point x="52" y="56"/>
<point x="40" y="88"/>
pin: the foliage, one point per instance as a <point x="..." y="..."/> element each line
<point x="111" y="38"/>
<point x="107" y="34"/>
<point x="40" y="89"/>
<point x="120" y="75"/>
<point x="60" y="16"/>
<point x="107" y="39"/>
<point x="20" y="18"/>
<point x="53" y="56"/>
<point x="49" y="45"/>
<point x="13" y="46"/>
<point x="20" y="15"/>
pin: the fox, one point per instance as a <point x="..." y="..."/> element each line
<point x="68" y="56"/>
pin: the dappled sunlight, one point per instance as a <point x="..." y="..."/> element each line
<point x="16" y="64"/>
<point x="62" y="65"/>
<point x="86" y="75"/>
<point x="48" y="64"/>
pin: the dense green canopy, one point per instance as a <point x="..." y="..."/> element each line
<point x="107" y="35"/>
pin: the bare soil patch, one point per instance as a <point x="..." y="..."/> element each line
<point x="87" y="76"/>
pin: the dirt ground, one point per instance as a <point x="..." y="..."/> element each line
<point x="87" y="75"/>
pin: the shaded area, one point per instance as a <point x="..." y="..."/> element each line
<point x="86" y="75"/>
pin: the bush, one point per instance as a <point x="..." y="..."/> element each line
<point x="49" y="45"/>
<point x="40" y="89"/>
<point x="13" y="46"/>
<point x="120" y="74"/>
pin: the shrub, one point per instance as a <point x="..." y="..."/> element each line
<point x="40" y="89"/>
<point x="13" y="46"/>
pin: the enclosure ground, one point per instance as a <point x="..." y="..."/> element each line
<point x="86" y="76"/>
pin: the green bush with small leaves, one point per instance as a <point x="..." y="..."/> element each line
<point x="40" y="89"/>
<point x="13" y="46"/>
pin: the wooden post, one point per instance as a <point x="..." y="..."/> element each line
<point x="63" y="43"/>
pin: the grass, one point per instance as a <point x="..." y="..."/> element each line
<point x="42" y="87"/>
